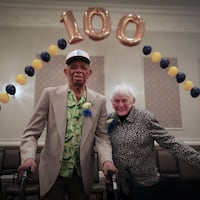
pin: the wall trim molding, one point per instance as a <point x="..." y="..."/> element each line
<point x="16" y="142"/>
<point x="41" y="141"/>
<point x="48" y="13"/>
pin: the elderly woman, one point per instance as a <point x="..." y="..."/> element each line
<point x="133" y="134"/>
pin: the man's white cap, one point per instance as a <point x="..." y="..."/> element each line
<point x="78" y="54"/>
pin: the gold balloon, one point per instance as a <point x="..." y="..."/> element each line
<point x="121" y="30"/>
<point x="4" y="97"/>
<point x="156" y="57"/>
<point x="72" y="27"/>
<point x="188" y="85"/>
<point x="53" y="50"/>
<point x="173" y="71"/>
<point x="21" y="79"/>
<point x="105" y="17"/>
<point x="37" y="64"/>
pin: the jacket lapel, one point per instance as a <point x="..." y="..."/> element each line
<point x="60" y="109"/>
<point x="89" y="121"/>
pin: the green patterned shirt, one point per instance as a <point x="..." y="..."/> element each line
<point x="71" y="156"/>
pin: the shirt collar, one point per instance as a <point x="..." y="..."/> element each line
<point x="73" y="98"/>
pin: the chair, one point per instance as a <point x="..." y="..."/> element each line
<point x="167" y="166"/>
<point x="190" y="181"/>
<point x="9" y="166"/>
<point x="11" y="161"/>
<point x="1" y="169"/>
<point x="32" y="188"/>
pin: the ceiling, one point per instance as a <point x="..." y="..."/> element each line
<point x="176" y="3"/>
<point x="45" y="12"/>
<point x="164" y="3"/>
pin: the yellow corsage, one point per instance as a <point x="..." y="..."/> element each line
<point x="112" y="123"/>
<point x="86" y="109"/>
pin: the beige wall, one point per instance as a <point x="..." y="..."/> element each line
<point x="20" y="44"/>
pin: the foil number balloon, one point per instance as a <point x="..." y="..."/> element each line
<point x="74" y="34"/>
<point x="123" y="23"/>
<point x="72" y="27"/>
<point x="105" y="17"/>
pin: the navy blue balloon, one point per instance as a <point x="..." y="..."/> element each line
<point x="195" y="92"/>
<point x="147" y="49"/>
<point x="29" y="70"/>
<point x="10" y="89"/>
<point x="45" y="56"/>
<point x="164" y="63"/>
<point x="180" y="77"/>
<point x="62" y="44"/>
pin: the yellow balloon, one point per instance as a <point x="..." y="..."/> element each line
<point x="21" y="79"/>
<point x="156" y="57"/>
<point x="4" y="97"/>
<point x="53" y="50"/>
<point x="37" y="64"/>
<point x="173" y="71"/>
<point x="188" y="85"/>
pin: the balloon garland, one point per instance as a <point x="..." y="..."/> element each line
<point x="53" y="50"/>
<point x="172" y="71"/>
<point x="74" y="36"/>
<point x="29" y="70"/>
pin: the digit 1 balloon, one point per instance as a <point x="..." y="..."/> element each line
<point x="72" y="27"/>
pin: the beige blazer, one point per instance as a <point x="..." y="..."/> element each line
<point x="51" y="111"/>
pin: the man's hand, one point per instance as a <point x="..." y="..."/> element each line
<point x="109" y="165"/>
<point x="30" y="162"/>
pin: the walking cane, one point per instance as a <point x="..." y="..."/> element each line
<point x="24" y="180"/>
<point x="113" y="179"/>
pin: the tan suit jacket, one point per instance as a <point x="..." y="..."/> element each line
<point x="51" y="111"/>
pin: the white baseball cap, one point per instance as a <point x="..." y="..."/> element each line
<point x="78" y="54"/>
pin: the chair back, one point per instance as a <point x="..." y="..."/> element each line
<point x="29" y="188"/>
<point x="168" y="166"/>
<point x="1" y="160"/>
<point x="1" y="169"/>
<point x="11" y="161"/>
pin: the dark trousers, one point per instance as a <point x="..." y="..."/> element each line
<point x="138" y="193"/>
<point x="67" y="189"/>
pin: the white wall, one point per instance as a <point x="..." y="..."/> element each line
<point x="20" y="44"/>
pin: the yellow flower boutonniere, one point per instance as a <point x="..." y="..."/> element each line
<point x="112" y="123"/>
<point x="86" y="109"/>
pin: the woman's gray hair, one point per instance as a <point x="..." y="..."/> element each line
<point x="125" y="90"/>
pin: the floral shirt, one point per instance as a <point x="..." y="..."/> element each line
<point x="71" y="156"/>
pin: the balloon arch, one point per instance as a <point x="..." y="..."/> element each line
<point x="74" y="36"/>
